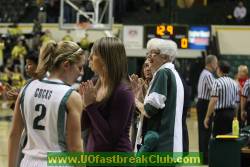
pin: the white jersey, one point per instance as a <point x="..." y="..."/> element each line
<point x="43" y="107"/>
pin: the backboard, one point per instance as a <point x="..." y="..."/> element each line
<point x="86" y="14"/>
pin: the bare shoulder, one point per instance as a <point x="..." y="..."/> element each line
<point x="75" y="96"/>
<point x="74" y="101"/>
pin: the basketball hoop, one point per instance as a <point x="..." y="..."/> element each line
<point x="83" y="26"/>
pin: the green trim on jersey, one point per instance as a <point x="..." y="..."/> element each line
<point x="163" y="120"/>
<point x="61" y="120"/>
<point x="22" y="103"/>
<point x="52" y="82"/>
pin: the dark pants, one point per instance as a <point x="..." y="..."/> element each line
<point x="185" y="130"/>
<point x="247" y="121"/>
<point x="248" y="112"/>
<point x="204" y="134"/>
<point x="223" y="121"/>
<point x="241" y="123"/>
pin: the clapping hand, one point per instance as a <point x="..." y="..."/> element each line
<point x="88" y="92"/>
<point x="11" y="92"/>
<point x="137" y="86"/>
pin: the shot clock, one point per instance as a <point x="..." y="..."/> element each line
<point x="177" y="33"/>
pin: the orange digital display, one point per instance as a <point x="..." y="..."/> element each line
<point x="161" y="29"/>
<point x="177" y="33"/>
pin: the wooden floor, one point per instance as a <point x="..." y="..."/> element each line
<point x="5" y="125"/>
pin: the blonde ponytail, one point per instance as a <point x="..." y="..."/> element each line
<point x="46" y="58"/>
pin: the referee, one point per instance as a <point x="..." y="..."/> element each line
<point x="204" y="88"/>
<point x="224" y="101"/>
<point x="245" y="102"/>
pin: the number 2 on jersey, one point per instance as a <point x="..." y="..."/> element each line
<point x="39" y="108"/>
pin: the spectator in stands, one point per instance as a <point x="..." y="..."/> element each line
<point x="67" y="37"/>
<point x="140" y="87"/>
<point x="37" y="27"/>
<point x="242" y="75"/>
<point x="245" y="103"/>
<point x="241" y="78"/>
<point x="30" y="69"/>
<point x="14" y="30"/>
<point x="1" y="89"/>
<point x="240" y="12"/>
<point x="18" y="53"/>
<point x="5" y="80"/>
<point x="9" y="64"/>
<point x="40" y="2"/>
<point x="2" y="47"/>
<point x="46" y="37"/>
<point x="42" y="15"/>
<point x="17" y="78"/>
<point x="5" y="75"/>
<point x="31" y="64"/>
<point x="84" y="42"/>
<point x="146" y="73"/>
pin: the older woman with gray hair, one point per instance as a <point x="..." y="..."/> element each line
<point x="163" y="103"/>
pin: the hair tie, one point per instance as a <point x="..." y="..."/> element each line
<point x="80" y="49"/>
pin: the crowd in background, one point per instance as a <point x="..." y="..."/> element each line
<point x="131" y="11"/>
<point x="16" y="47"/>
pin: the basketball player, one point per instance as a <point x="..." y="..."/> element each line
<point x="48" y="108"/>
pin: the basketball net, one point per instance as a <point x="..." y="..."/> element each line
<point x="83" y="25"/>
<point x="81" y="28"/>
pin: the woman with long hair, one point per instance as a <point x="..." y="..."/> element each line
<point x="110" y="102"/>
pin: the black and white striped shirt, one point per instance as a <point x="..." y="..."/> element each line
<point x="246" y="90"/>
<point x="205" y="84"/>
<point x="227" y="91"/>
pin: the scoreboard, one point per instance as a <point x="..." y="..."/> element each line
<point x="177" y="33"/>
